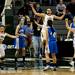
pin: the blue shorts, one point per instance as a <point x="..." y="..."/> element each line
<point x="53" y="47"/>
<point x="20" y="42"/>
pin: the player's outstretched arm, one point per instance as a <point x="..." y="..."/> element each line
<point x="11" y="36"/>
<point x="36" y="13"/>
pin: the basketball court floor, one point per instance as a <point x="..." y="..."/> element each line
<point x="30" y="70"/>
<point x="37" y="72"/>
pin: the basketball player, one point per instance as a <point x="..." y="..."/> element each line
<point x="20" y="41"/>
<point x="51" y="44"/>
<point x="72" y="29"/>
<point x="48" y="16"/>
<point x="23" y="31"/>
<point x="3" y="46"/>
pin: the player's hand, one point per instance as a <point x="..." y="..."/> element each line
<point x="2" y="14"/>
<point x="64" y="13"/>
<point x="35" y="22"/>
<point x="17" y="35"/>
<point x="66" y="19"/>
<point x="31" y="4"/>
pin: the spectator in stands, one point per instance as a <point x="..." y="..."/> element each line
<point x="39" y="8"/>
<point x="70" y="9"/>
<point x="24" y="10"/>
<point x="36" y="41"/>
<point x="23" y="30"/>
<point x="37" y="37"/>
<point x="52" y="2"/>
<point x="60" y="8"/>
<point x="63" y="1"/>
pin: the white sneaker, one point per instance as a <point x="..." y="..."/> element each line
<point x="72" y="66"/>
<point x="46" y="68"/>
<point x="72" y="69"/>
<point x="72" y="63"/>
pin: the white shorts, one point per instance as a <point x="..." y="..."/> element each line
<point x="74" y="43"/>
<point x="17" y="43"/>
<point x="2" y="50"/>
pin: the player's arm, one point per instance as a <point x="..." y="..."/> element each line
<point x="59" y="17"/>
<point x="69" y="32"/>
<point x="31" y="27"/>
<point x="16" y="31"/>
<point x="38" y="24"/>
<point x="47" y="38"/>
<point x="11" y="36"/>
<point x="67" y="25"/>
<point x="36" y="13"/>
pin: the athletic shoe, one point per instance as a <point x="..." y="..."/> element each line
<point x="16" y="65"/>
<point x="54" y="68"/>
<point x="46" y="68"/>
<point x="72" y="63"/>
<point x="72" y="69"/>
<point x="72" y="66"/>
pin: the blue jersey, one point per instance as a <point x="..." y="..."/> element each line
<point x="73" y="25"/>
<point x="25" y="30"/>
<point x="28" y="30"/>
<point x="20" y="41"/>
<point x="51" y="34"/>
<point x="22" y="29"/>
<point x="52" y="43"/>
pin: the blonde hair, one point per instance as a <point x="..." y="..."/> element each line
<point x="22" y="21"/>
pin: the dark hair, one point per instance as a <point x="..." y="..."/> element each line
<point x="2" y="26"/>
<point x="49" y="23"/>
<point x="25" y="21"/>
<point x="39" y="10"/>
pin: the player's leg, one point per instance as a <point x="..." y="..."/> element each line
<point x="54" y="60"/>
<point x="47" y="61"/>
<point x="53" y="51"/>
<point x="47" y="53"/>
<point x="23" y="54"/>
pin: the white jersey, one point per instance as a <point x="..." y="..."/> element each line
<point x="2" y="36"/>
<point x="74" y="36"/>
<point x="2" y="46"/>
<point x="43" y="31"/>
<point x="74" y="40"/>
<point x="2" y="50"/>
<point x="46" y="18"/>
